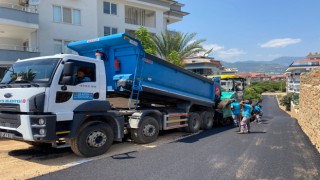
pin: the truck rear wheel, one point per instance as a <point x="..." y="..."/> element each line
<point x="92" y="140"/>
<point x="194" y="123"/>
<point x="147" y="132"/>
<point x="207" y="120"/>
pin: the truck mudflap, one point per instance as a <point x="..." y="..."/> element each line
<point x="28" y="127"/>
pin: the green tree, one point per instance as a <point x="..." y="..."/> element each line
<point x="251" y="93"/>
<point x="286" y="100"/>
<point x="144" y="37"/>
<point x="174" y="58"/>
<point x="269" y="86"/>
<point x="182" y="43"/>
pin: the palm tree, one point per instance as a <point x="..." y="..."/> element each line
<point x="182" y="43"/>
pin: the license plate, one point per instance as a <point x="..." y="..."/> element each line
<point x="6" y="135"/>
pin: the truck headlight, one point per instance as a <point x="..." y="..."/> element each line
<point x="41" y="121"/>
<point x="42" y="131"/>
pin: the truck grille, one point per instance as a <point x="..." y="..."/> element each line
<point x="9" y="107"/>
<point x="10" y="120"/>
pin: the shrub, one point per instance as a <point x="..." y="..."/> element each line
<point x="286" y="100"/>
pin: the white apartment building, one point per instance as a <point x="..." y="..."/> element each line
<point x="300" y="66"/>
<point x="202" y="65"/>
<point x="30" y="28"/>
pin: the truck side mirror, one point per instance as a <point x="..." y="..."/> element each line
<point x="67" y="80"/>
<point x="67" y="74"/>
<point x="68" y="69"/>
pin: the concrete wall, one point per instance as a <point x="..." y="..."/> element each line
<point x="309" y="105"/>
<point x="110" y="20"/>
<point x="93" y="21"/>
<point x="50" y="30"/>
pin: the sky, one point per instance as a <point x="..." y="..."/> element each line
<point x="259" y="30"/>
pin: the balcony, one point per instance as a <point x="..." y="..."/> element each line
<point x="18" y="32"/>
<point x="140" y="17"/>
<point x="14" y="14"/>
<point x="17" y="42"/>
<point x="10" y="53"/>
<point x="174" y="14"/>
<point x="25" y="7"/>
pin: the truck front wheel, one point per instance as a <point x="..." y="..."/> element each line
<point x="92" y="140"/>
<point x="147" y="132"/>
<point x="194" y="123"/>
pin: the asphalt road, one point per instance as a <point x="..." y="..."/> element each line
<point x="276" y="149"/>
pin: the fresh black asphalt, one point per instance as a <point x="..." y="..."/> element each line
<point x="276" y="149"/>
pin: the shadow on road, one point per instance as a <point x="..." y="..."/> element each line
<point x="257" y="132"/>
<point x="205" y="134"/>
<point x="264" y="118"/>
<point x="124" y="156"/>
<point x="40" y="153"/>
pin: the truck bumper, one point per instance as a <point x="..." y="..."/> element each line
<point x="28" y="127"/>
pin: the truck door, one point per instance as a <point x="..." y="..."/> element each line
<point x="63" y="99"/>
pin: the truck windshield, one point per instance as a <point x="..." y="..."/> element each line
<point x="232" y="85"/>
<point x="33" y="71"/>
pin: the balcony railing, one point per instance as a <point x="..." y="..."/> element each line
<point x="134" y="21"/>
<point x="30" y="9"/>
<point x="18" y="48"/>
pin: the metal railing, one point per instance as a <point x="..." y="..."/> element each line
<point x="27" y="8"/>
<point x="135" y="21"/>
<point x="18" y="48"/>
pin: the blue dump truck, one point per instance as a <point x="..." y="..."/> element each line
<point x="110" y="89"/>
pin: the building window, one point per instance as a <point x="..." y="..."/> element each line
<point x="109" y="8"/>
<point x="76" y="16"/>
<point x="60" y="46"/>
<point x="109" y="30"/>
<point x="66" y="15"/>
<point x="57" y="14"/>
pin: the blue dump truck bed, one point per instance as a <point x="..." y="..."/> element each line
<point x="130" y="69"/>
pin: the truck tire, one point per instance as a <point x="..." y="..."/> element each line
<point x="147" y="132"/>
<point x="207" y="120"/>
<point x="92" y="140"/>
<point x="194" y="123"/>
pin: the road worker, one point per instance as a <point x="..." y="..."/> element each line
<point x="246" y="114"/>
<point x="257" y="111"/>
<point x="235" y="107"/>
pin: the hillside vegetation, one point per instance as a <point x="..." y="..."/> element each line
<point x="255" y="90"/>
